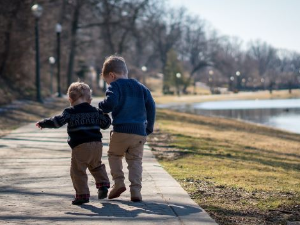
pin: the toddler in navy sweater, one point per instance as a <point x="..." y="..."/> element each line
<point x="133" y="113"/>
<point x="84" y="123"/>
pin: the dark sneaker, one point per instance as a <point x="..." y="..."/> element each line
<point x="80" y="201"/>
<point x="102" y="192"/>
<point x="116" y="192"/>
<point x="136" y="199"/>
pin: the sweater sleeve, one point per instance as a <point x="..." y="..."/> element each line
<point x="150" y="109"/>
<point x="56" y="121"/>
<point x="111" y="100"/>
<point x="105" y="120"/>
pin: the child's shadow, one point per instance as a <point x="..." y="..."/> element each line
<point x="107" y="210"/>
<point x="134" y="209"/>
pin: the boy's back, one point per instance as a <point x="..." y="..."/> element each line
<point x="133" y="113"/>
<point x="132" y="107"/>
<point x="84" y="123"/>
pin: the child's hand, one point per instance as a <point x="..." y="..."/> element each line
<point x="38" y="125"/>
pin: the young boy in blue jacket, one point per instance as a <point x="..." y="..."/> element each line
<point x="84" y="123"/>
<point x="133" y="113"/>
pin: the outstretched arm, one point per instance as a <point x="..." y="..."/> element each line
<point x="54" y="122"/>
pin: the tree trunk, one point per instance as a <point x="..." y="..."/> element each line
<point x="271" y="87"/>
<point x="6" y="48"/>
<point x="290" y="87"/>
<point x="107" y="31"/>
<point x="7" y="39"/>
<point x="72" y="53"/>
<point x="199" y="66"/>
<point x="186" y="85"/>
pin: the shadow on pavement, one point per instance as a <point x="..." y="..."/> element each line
<point x="18" y="191"/>
<point x="32" y="140"/>
<point x="132" y="209"/>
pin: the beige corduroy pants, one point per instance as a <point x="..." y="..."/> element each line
<point x="131" y="146"/>
<point x="87" y="156"/>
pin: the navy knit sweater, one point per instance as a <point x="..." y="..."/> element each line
<point x="84" y="123"/>
<point x="132" y="107"/>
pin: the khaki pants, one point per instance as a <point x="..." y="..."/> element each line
<point x="132" y="146"/>
<point x="87" y="155"/>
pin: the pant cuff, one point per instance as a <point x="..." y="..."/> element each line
<point x="103" y="184"/>
<point x="82" y="196"/>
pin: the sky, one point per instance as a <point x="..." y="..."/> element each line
<point x="275" y="21"/>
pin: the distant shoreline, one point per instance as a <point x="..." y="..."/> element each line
<point x="282" y="94"/>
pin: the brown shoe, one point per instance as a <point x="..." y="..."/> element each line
<point x="136" y="196"/>
<point x="116" y="192"/>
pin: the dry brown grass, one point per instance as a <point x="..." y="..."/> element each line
<point x="30" y="111"/>
<point x="241" y="173"/>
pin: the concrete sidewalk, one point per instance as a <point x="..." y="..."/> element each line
<point x="35" y="187"/>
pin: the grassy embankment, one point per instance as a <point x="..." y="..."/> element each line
<point x="240" y="173"/>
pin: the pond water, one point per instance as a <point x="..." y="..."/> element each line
<point x="279" y="113"/>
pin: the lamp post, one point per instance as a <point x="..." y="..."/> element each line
<point x="178" y="76"/>
<point x="37" y="11"/>
<point x="144" y="69"/>
<point x="210" y="80"/>
<point x="231" y="80"/>
<point x="262" y="80"/>
<point x="51" y="62"/>
<point x="58" y="29"/>
<point x="238" y="74"/>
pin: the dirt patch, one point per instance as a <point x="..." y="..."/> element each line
<point x="230" y="205"/>
<point x="161" y="146"/>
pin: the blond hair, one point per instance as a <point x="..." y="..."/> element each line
<point x="115" y="64"/>
<point x="79" y="90"/>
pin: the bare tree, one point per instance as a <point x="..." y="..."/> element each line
<point x="265" y="56"/>
<point x="165" y="31"/>
<point x="15" y="37"/>
<point x="8" y="10"/>
<point x="194" y="47"/>
<point x="117" y="20"/>
<point x="289" y="63"/>
<point x="296" y="67"/>
<point x="78" y="4"/>
<point x="228" y="58"/>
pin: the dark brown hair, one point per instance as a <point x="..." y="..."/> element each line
<point x="114" y="64"/>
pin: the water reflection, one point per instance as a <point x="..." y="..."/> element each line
<point x="250" y="104"/>
<point x="283" y="114"/>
